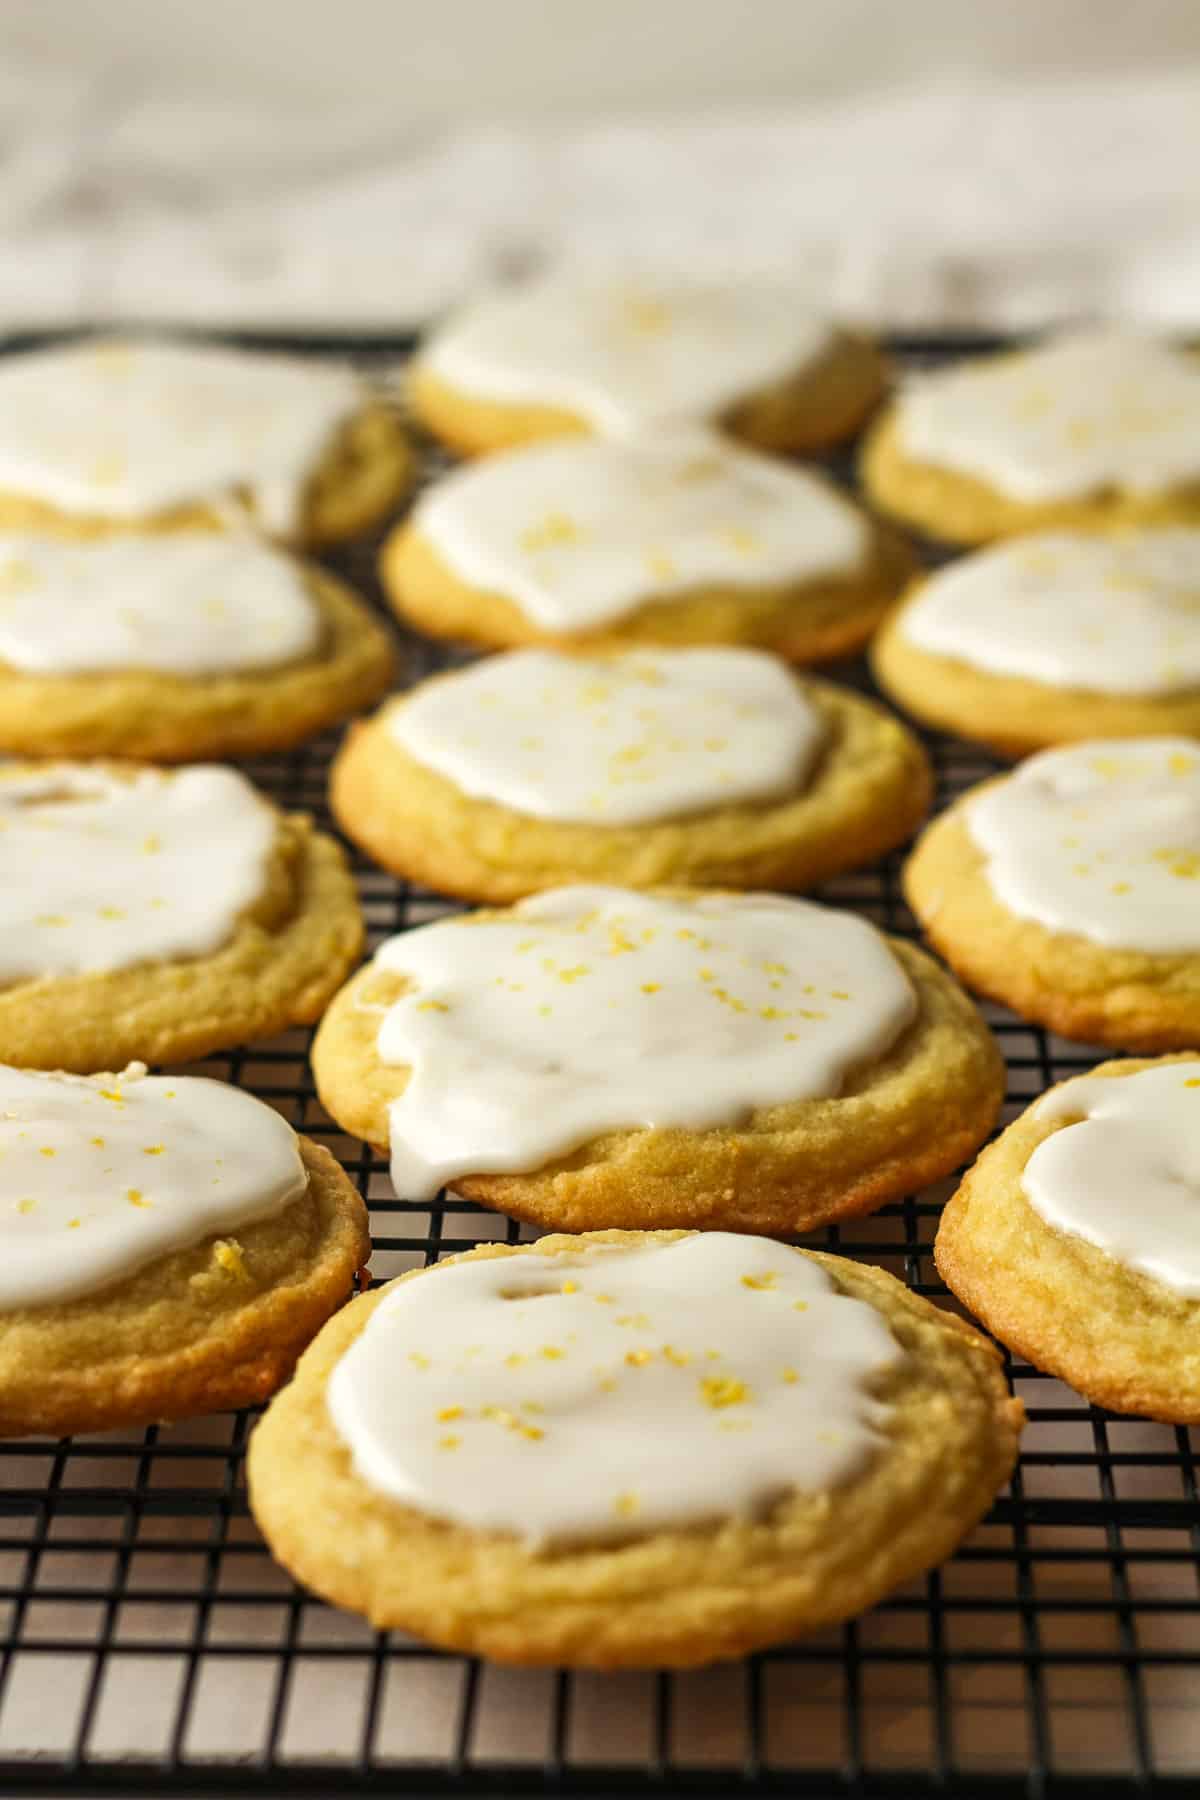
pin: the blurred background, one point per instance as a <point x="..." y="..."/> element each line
<point x="359" y="166"/>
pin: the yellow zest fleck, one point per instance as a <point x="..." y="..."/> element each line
<point x="152" y="844"/>
<point x="231" y="1259"/>
<point x="637" y="1359"/>
<point x="659" y="565"/>
<point x="449" y="1412"/>
<point x="680" y="1358"/>
<point x="569" y="1287"/>
<point x="515" y="1360"/>
<point x="790" y="1376"/>
<point x="26" y="1206"/>
<point x="449" y="1442"/>
<point x="723" y="1390"/>
<point x="74" y="1224"/>
<point x="113" y="912"/>
<point x="154" y="1150"/>
<point x="652" y="987"/>
<point x="46" y="1150"/>
<point x="556" y="528"/>
<point x="791" y="1037"/>
<point x="1121" y="887"/>
<point x="738" y="538"/>
<point x="51" y="919"/>
<point x="417" y="1360"/>
<point x="761" y="1282"/>
<point x="625" y="1506"/>
<point x="799" y="1305"/>
<point x="574" y="974"/>
<point x="608" y="1385"/>
<point x="552" y="1353"/>
<point x="1193" y="1081"/>
<point x="1180" y="763"/>
<point x="113" y="1094"/>
<point x="603" y="1299"/>
<point x="432" y="1006"/>
<point x="639" y="1321"/>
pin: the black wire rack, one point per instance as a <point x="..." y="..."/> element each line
<point x="150" y="1645"/>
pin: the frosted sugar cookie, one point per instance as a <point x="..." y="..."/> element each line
<point x="1068" y="890"/>
<point x="630" y="1449"/>
<point x="167" y="1246"/>
<point x="1089" y="428"/>
<point x="565" y="356"/>
<point x="598" y="1057"/>
<point x="1076" y="1236"/>
<point x="175" y="646"/>
<point x="675" y="539"/>
<point x="703" y="768"/>
<point x="116" y="434"/>
<point x="1053" y="638"/>
<point x="155" y="916"/>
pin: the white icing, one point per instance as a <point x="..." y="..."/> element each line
<point x="615" y="741"/>
<point x="626" y="355"/>
<point x="1108" y="615"/>
<point x="1101" y="840"/>
<point x="612" y="1392"/>
<point x="186" y="603"/>
<point x="102" y="1174"/>
<point x="105" y="870"/>
<point x="593" y="1009"/>
<point x="127" y="428"/>
<point x="581" y="532"/>
<point x="1126" y="1174"/>
<point x="1080" y="413"/>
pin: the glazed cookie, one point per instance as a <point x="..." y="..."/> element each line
<point x="676" y="539"/>
<point x="598" y="1057"/>
<point x="1068" y="891"/>
<point x="169" y="1247"/>
<point x="630" y="1449"/>
<point x="1090" y="428"/>
<point x="1053" y="638"/>
<point x="154" y="916"/>
<point x="568" y="357"/>
<point x="701" y="768"/>
<point x="1075" y="1237"/>
<point x="109" y="435"/>
<point x="176" y="646"/>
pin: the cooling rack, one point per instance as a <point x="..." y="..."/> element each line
<point x="149" y="1645"/>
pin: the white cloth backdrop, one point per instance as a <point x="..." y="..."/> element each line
<point x="963" y="204"/>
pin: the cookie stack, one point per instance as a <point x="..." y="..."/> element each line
<point x="658" y="1434"/>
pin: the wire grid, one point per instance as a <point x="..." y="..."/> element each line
<point x="148" y="1643"/>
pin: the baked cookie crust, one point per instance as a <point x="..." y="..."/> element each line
<point x="366" y="471"/>
<point x="870" y="789"/>
<point x="152" y="716"/>
<point x="943" y="503"/>
<point x="1126" y="999"/>
<point x="902" y="1121"/>
<point x="807" y="622"/>
<point x="288" y="954"/>
<point x="820" y="404"/>
<point x="678" y="1598"/>
<point x="213" y="1327"/>
<point x="1117" y="1336"/>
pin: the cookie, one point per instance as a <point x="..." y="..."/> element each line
<point x="108" y="435"/>
<point x="655" y="1448"/>
<point x="698" y="768"/>
<point x="569" y="356"/>
<point x="176" y="646"/>
<point x="675" y="539"/>
<point x="155" y="916"/>
<point x="169" y="1247"/>
<point x="1087" y="429"/>
<point x="1068" y="891"/>
<point x="1074" y="1237"/>
<point x="597" y="1057"/>
<point x="1053" y="638"/>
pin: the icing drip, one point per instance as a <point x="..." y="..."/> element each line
<point x="1125" y="1174"/>
<point x="614" y="1392"/>
<point x="1078" y="414"/>
<point x="127" y="428"/>
<point x="106" y="870"/>
<point x="593" y="1009"/>
<point x="627" y="355"/>
<point x="102" y="1174"/>
<point x="1109" y="615"/>
<point x="615" y="741"/>
<point x="581" y="532"/>
<point x="187" y="603"/>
